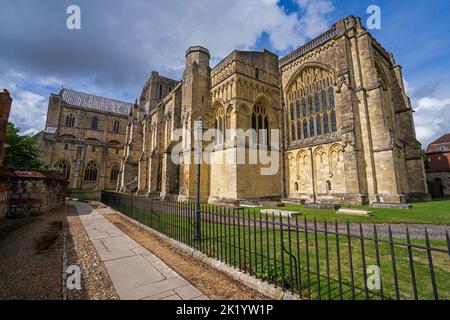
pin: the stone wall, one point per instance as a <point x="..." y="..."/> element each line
<point x="5" y="191"/>
<point x="443" y="178"/>
<point x="30" y="193"/>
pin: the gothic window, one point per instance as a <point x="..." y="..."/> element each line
<point x="114" y="173"/>
<point x="70" y="120"/>
<point x="64" y="167"/>
<point x="261" y="122"/>
<point x="319" y="126"/>
<point x="94" y="123"/>
<point x="325" y="124"/>
<point x="333" y="122"/>
<point x="328" y="186"/>
<point x="315" y="86"/>
<point x="90" y="173"/>
<point x="257" y="73"/>
<point x="116" y="126"/>
<point x="311" y="127"/>
<point x="160" y="91"/>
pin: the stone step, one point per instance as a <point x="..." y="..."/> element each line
<point x="283" y="213"/>
<point x="355" y="212"/>
<point x="405" y="206"/>
<point x="322" y="206"/>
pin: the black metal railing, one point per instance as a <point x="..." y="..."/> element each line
<point x="313" y="260"/>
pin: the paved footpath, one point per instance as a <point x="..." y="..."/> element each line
<point x="137" y="274"/>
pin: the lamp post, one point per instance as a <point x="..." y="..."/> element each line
<point x="198" y="148"/>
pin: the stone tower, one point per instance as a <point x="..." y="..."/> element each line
<point x="5" y="109"/>
<point x="350" y="134"/>
<point x="196" y="104"/>
<point x="246" y="100"/>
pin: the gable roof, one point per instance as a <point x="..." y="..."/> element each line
<point x="444" y="139"/>
<point x="89" y="101"/>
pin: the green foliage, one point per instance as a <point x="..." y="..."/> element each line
<point x="22" y="152"/>
<point x="272" y="273"/>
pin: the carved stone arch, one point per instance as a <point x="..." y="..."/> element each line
<point x="301" y="161"/>
<point x="300" y="70"/>
<point x="243" y="115"/>
<point x="382" y="74"/>
<point x="336" y="147"/>
<point x="302" y="155"/>
<point x="320" y="151"/>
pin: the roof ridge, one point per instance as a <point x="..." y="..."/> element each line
<point x="95" y="102"/>
<point x="97" y="96"/>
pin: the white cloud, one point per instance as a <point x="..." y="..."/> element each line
<point x="28" y="108"/>
<point x="122" y="41"/>
<point x="28" y="111"/>
<point x="314" y="20"/>
<point x="432" y="116"/>
<point x="429" y="103"/>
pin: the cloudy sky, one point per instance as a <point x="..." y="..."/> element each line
<point x="121" y="42"/>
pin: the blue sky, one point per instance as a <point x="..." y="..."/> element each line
<point x="121" y="42"/>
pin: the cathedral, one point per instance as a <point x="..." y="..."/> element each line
<point x="346" y="127"/>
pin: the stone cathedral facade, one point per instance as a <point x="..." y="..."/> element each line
<point x="347" y="126"/>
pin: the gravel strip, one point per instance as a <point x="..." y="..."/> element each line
<point x="216" y="285"/>
<point x="95" y="281"/>
<point x="31" y="255"/>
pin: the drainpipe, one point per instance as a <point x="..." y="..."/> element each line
<point x="313" y="178"/>
<point x="283" y="144"/>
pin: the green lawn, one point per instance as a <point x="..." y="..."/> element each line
<point x="435" y="212"/>
<point x="311" y="265"/>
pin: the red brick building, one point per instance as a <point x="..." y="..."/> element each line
<point x="438" y="175"/>
<point x="439" y="154"/>
<point x="5" y="108"/>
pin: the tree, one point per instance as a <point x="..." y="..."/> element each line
<point x="21" y="151"/>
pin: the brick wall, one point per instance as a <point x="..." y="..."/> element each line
<point x="30" y="193"/>
<point x="439" y="162"/>
<point x="5" y="108"/>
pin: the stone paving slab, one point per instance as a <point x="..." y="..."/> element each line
<point x="135" y="271"/>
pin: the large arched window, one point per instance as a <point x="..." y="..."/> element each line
<point x="70" y="120"/>
<point x="260" y="122"/>
<point x="90" y="173"/>
<point x="114" y="173"/>
<point x="64" y="167"/>
<point x="312" y="94"/>
<point x="94" y="123"/>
